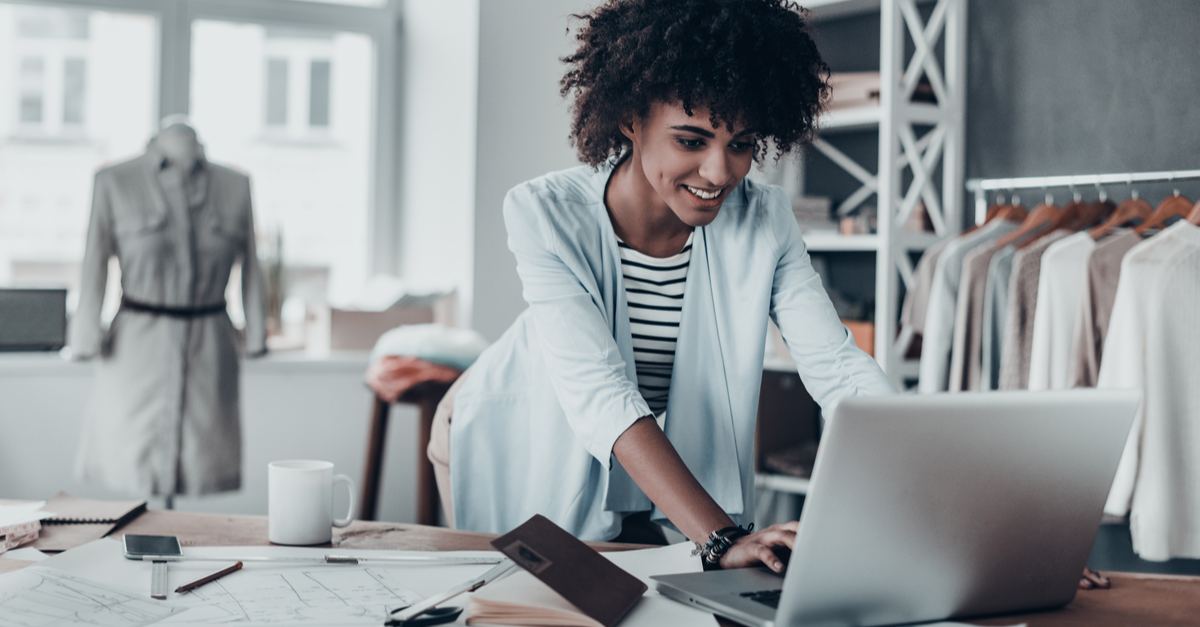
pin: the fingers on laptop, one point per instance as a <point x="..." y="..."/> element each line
<point x="762" y="546"/>
<point x="1092" y="580"/>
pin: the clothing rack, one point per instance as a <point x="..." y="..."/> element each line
<point x="982" y="186"/>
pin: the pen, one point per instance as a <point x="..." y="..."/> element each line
<point x="203" y="580"/>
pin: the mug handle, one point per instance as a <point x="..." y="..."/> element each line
<point x="342" y="522"/>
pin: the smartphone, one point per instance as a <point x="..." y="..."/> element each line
<point x="137" y="547"/>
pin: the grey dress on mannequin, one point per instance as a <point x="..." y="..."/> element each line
<point x="163" y="417"/>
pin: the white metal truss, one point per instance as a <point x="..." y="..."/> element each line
<point x="914" y="140"/>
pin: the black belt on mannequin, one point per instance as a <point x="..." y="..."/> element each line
<point x="173" y="312"/>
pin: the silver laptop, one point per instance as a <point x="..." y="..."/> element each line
<point x="923" y="508"/>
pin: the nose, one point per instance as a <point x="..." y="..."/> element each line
<point x="716" y="168"/>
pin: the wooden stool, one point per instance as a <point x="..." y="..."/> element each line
<point x="426" y="397"/>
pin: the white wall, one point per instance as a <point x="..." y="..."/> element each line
<point x="523" y="128"/>
<point x="290" y="409"/>
<point x="437" y="160"/>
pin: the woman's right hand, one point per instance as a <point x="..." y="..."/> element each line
<point x="759" y="547"/>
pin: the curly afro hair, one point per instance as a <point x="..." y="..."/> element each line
<point x="747" y="61"/>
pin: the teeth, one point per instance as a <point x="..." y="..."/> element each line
<point x="703" y="194"/>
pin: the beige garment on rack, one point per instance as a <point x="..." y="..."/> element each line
<point x="1153" y="343"/>
<point x="916" y="300"/>
<point x="1022" y="305"/>
<point x="966" y="355"/>
<point x="1095" y="308"/>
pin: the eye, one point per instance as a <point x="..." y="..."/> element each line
<point x="690" y="143"/>
<point x="741" y="147"/>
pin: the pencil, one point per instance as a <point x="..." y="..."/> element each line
<point x="203" y="580"/>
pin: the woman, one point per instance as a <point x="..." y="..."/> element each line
<point x="627" y="392"/>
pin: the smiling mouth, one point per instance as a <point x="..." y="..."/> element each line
<point x="703" y="195"/>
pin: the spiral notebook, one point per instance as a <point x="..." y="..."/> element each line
<point x="72" y="510"/>
<point x="78" y="521"/>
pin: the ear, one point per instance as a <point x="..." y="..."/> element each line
<point x="630" y="127"/>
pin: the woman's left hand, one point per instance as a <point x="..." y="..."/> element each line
<point x="758" y="547"/>
<point x="1092" y="580"/>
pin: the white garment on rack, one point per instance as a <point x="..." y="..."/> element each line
<point x="1060" y="287"/>
<point x="943" y="298"/>
<point x="1153" y="343"/>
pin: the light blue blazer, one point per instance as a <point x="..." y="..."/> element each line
<point x="534" y="424"/>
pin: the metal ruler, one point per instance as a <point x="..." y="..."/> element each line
<point x="158" y="580"/>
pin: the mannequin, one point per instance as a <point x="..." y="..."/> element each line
<point x="179" y="143"/>
<point x="163" y="417"/>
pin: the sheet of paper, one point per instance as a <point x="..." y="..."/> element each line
<point x="40" y="597"/>
<point x="655" y="609"/>
<point x="318" y="594"/>
<point x="25" y="554"/>
<point x="270" y="594"/>
<point x="25" y="512"/>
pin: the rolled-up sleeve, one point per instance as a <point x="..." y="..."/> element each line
<point x="830" y="364"/>
<point x="585" y="366"/>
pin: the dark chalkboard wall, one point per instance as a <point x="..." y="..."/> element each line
<point x="1064" y="87"/>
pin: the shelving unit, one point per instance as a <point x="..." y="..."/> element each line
<point x="914" y="139"/>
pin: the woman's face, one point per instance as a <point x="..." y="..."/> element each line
<point x="691" y="165"/>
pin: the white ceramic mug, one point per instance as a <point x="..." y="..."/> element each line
<point x="300" y="502"/>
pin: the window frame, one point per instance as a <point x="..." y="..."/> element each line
<point x="381" y="23"/>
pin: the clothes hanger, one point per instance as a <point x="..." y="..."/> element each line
<point x="1001" y="210"/>
<point x="1094" y="212"/>
<point x="1133" y="208"/>
<point x="1013" y="211"/>
<point x="1171" y="207"/>
<point x="989" y="215"/>
<point x="1072" y="212"/>
<point x="1044" y="218"/>
<point x="994" y="209"/>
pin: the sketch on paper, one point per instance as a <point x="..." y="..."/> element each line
<point x="36" y="597"/>
<point x="297" y="596"/>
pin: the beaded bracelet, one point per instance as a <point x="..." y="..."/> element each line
<point x="719" y="542"/>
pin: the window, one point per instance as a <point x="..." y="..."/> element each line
<point x="56" y="131"/>
<point x="53" y="46"/>
<point x="318" y="93"/>
<point x="298" y="81"/>
<point x="84" y="83"/>
<point x="74" y="83"/>
<point x="304" y="139"/>
<point x="277" y="92"/>
<point x="33" y="70"/>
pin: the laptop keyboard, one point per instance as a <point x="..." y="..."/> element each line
<point x="770" y="598"/>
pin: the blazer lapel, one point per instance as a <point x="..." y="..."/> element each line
<point x="700" y="386"/>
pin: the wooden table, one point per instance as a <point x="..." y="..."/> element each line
<point x="1156" y="600"/>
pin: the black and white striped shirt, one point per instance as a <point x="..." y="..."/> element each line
<point x="654" y="291"/>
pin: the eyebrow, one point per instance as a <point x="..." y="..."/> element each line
<point x="706" y="133"/>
